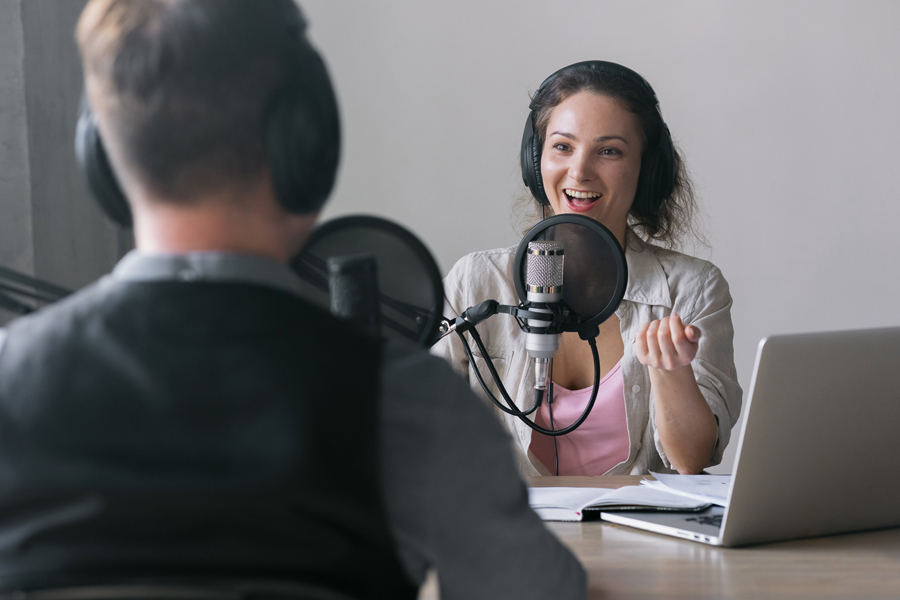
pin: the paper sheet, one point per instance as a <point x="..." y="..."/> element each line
<point x="711" y="488"/>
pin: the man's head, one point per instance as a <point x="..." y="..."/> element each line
<point x="194" y="97"/>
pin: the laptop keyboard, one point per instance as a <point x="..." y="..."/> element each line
<point x="714" y="520"/>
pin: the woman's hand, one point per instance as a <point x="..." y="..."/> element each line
<point x="687" y="427"/>
<point x="667" y="344"/>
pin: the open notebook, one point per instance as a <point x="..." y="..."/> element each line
<point x="577" y="504"/>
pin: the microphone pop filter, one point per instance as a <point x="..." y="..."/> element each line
<point x="594" y="273"/>
<point x="410" y="294"/>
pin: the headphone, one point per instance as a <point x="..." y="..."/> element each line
<point x="657" y="177"/>
<point x="302" y="139"/>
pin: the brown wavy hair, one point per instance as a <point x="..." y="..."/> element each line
<point x="667" y="222"/>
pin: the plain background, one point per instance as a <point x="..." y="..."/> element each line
<point x="788" y="113"/>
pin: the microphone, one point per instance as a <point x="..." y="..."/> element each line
<point x="543" y="284"/>
<point x="602" y="273"/>
<point x="353" y="286"/>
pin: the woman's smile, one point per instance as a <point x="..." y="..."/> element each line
<point x="581" y="201"/>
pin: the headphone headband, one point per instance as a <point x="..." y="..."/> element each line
<point x="602" y="66"/>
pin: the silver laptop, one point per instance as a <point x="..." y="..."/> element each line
<point x="819" y="450"/>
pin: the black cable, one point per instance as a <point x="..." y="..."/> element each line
<point x="513" y="410"/>
<point x="552" y="426"/>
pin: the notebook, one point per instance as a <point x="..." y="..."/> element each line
<point x="577" y="504"/>
<point x="818" y="452"/>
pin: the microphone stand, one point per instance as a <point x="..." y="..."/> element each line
<point x="15" y="285"/>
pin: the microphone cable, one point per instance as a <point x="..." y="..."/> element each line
<point x="552" y="426"/>
<point x="513" y="410"/>
<point x="587" y="409"/>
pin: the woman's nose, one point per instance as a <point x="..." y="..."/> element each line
<point x="580" y="168"/>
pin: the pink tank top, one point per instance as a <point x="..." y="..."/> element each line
<point x="600" y="443"/>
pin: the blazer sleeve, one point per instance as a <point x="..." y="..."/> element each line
<point x="713" y="366"/>
<point x="455" y="498"/>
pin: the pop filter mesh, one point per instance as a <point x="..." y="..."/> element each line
<point x="589" y="272"/>
<point x="594" y="272"/>
<point x="409" y="282"/>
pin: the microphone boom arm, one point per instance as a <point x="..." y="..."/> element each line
<point x="561" y="319"/>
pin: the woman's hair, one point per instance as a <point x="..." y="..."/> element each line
<point x="667" y="222"/>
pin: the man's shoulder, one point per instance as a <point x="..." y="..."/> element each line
<point x="83" y="301"/>
<point x="212" y="309"/>
<point x="406" y="365"/>
<point x="412" y="379"/>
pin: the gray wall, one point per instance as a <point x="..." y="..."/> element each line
<point x="15" y="184"/>
<point x="787" y="112"/>
<point x="49" y="227"/>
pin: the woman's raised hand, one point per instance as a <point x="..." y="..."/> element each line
<point x="667" y="344"/>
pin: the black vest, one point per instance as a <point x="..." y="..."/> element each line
<point x="181" y="432"/>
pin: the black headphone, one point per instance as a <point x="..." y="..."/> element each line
<point x="657" y="177"/>
<point x="302" y="135"/>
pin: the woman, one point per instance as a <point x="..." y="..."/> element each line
<point x="596" y="145"/>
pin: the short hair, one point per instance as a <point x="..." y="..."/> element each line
<point x="184" y="84"/>
<point x="672" y="219"/>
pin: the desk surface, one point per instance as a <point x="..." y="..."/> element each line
<point x="623" y="562"/>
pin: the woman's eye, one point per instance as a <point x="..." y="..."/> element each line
<point x="610" y="152"/>
<point x="560" y="147"/>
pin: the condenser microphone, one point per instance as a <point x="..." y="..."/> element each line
<point x="543" y="284"/>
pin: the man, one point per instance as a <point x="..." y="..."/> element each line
<point x="188" y="420"/>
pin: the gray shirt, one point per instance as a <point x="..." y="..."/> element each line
<point x="454" y="499"/>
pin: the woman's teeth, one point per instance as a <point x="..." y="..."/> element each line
<point x="582" y="195"/>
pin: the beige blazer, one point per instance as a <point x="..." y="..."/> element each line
<point x="660" y="282"/>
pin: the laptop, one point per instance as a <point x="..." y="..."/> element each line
<point x="819" y="450"/>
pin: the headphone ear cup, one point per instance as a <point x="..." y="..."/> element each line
<point x="657" y="178"/>
<point x="303" y="139"/>
<point x="98" y="174"/>
<point x="530" y="162"/>
<point x="536" y="162"/>
<point x="647" y="199"/>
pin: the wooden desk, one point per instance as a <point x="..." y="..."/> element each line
<point x="623" y="562"/>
